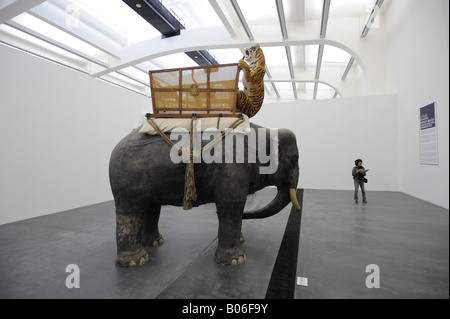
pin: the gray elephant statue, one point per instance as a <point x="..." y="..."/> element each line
<point x="144" y="177"/>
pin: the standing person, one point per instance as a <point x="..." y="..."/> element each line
<point x="358" y="173"/>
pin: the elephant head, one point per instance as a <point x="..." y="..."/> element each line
<point x="285" y="178"/>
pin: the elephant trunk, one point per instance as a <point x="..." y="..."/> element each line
<point x="284" y="196"/>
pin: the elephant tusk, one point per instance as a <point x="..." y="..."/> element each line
<point x="292" y="194"/>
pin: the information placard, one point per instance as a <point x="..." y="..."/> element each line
<point x="428" y="135"/>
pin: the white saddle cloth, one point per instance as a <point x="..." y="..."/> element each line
<point x="168" y="125"/>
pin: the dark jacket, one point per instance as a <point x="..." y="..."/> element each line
<point x="356" y="175"/>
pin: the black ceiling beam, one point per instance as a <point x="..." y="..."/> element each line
<point x="202" y="57"/>
<point x="155" y="13"/>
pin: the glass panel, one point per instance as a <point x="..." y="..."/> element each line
<point x="298" y="58"/>
<point x="225" y="56"/>
<point x="338" y="9"/>
<point x="56" y="34"/>
<point x="43" y="48"/>
<point x="311" y="54"/>
<point x="137" y="74"/>
<point x="332" y="54"/>
<point x="116" y="16"/>
<point x="285" y="89"/>
<point x="310" y="86"/>
<point x="277" y="61"/>
<point x="172" y="61"/>
<point x="324" y="91"/>
<point x="260" y="12"/>
<point x="193" y="13"/>
<point x="124" y="79"/>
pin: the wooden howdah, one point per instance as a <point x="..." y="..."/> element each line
<point x="206" y="91"/>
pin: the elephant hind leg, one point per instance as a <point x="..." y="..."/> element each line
<point x="150" y="232"/>
<point x="128" y="236"/>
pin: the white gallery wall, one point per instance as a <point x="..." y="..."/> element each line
<point x="418" y="72"/>
<point x="57" y="130"/>
<point x="332" y="134"/>
<point x="59" y="126"/>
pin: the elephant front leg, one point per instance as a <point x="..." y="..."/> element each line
<point x="128" y="236"/>
<point x="229" y="250"/>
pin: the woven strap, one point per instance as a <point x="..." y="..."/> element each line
<point x="190" y="192"/>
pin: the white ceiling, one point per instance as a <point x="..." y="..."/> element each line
<point x="108" y="40"/>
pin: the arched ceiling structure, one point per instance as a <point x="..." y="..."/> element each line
<point x="315" y="49"/>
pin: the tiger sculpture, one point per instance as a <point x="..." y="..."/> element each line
<point x="250" y="100"/>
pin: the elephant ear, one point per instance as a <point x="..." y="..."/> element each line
<point x="289" y="149"/>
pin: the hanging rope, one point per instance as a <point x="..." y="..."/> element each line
<point x="190" y="191"/>
<point x="194" y="87"/>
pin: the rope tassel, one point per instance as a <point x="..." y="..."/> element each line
<point x="190" y="192"/>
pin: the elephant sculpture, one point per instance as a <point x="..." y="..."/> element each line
<point x="143" y="178"/>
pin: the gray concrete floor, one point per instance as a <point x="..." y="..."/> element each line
<point x="407" y="238"/>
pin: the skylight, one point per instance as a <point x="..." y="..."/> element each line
<point x="277" y="62"/>
<point x="193" y="13"/>
<point x="43" y="49"/>
<point x="261" y="12"/>
<point x="116" y="16"/>
<point x="339" y="8"/>
<point x="136" y="74"/>
<point x="227" y="56"/>
<point x="47" y="31"/>
<point x="109" y="40"/>
<point x="178" y="60"/>
<point x="333" y="54"/>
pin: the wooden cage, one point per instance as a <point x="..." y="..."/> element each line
<point x="207" y="91"/>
